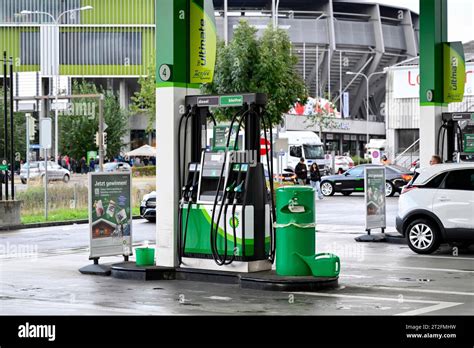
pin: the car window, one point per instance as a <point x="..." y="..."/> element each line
<point x="436" y="181"/>
<point x="295" y="151"/>
<point x="357" y="171"/>
<point x="460" y="180"/>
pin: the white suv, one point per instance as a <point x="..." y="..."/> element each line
<point x="438" y="206"/>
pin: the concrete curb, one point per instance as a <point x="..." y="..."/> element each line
<point x="50" y="224"/>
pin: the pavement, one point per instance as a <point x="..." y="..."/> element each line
<point x="39" y="276"/>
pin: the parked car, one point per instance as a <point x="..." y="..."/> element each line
<point x="353" y="181"/>
<point x="116" y="167"/>
<point x="438" y="206"/>
<point x="148" y="207"/>
<point x="37" y="172"/>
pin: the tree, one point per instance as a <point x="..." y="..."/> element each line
<point x="322" y="115"/>
<point x="249" y="65"/>
<point x="145" y="99"/>
<point x="19" y="130"/>
<point x="77" y="132"/>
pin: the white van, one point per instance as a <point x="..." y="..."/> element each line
<point x="303" y="144"/>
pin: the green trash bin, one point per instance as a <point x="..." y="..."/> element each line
<point x="296" y="229"/>
<point x="145" y="256"/>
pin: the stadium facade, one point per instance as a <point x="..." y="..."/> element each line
<point x="113" y="45"/>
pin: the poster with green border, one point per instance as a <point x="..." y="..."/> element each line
<point x="110" y="214"/>
<point x="375" y="212"/>
<point x="454" y="67"/>
<point x="203" y="41"/>
<point x="220" y="135"/>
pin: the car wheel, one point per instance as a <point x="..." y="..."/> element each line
<point x="346" y="193"/>
<point x="66" y="178"/>
<point x="389" y="189"/>
<point x="327" y="188"/>
<point x="423" y="236"/>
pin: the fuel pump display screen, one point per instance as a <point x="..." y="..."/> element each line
<point x="469" y="143"/>
<point x="212" y="165"/>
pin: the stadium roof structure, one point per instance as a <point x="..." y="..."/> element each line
<point x="333" y="37"/>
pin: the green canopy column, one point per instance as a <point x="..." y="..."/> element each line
<point x="172" y="52"/>
<point x="433" y="32"/>
<point x="185" y="58"/>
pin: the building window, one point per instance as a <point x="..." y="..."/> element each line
<point x="101" y="48"/>
<point x="406" y="138"/>
<point x="30" y="48"/>
<point x="87" y="48"/>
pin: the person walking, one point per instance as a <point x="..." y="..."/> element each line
<point x="315" y="179"/>
<point x="301" y="172"/>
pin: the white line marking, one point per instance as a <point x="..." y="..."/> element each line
<point x="414" y="268"/>
<point x="430" y="308"/>
<point x="435" y="305"/>
<point x="415" y="290"/>
<point x="362" y="297"/>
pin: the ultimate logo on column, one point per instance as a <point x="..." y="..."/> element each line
<point x="203" y="41"/>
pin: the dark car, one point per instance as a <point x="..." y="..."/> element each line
<point x="148" y="207"/>
<point x="353" y="181"/>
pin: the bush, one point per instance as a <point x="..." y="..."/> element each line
<point x="61" y="198"/>
<point x="144" y="171"/>
<point x="360" y="160"/>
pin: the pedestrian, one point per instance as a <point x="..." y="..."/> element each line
<point x="82" y="165"/>
<point x="73" y="165"/>
<point x="92" y="165"/>
<point x="67" y="162"/>
<point x="315" y="179"/>
<point x="301" y="172"/>
<point x="435" y="159"/>
<point x="385" y="161"/>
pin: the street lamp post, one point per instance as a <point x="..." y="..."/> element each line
<point x="367" y="80"/>
<point x="56" y="62"/>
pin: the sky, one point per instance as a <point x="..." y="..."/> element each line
<point x="460" y="16"/>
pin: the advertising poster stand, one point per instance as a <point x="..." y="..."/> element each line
<point x="375" y="203"/>
<point x="110" y="219"/>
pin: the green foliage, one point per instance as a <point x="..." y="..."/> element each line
<point x="323" y="117"/>
<point x="77" y="133"/>
<point x="249" y="64"/>
<point x="19" y="131"/>
<point x="360" y="160"/>
<point x="145" y="99"/>
<point x="143" y="171"/>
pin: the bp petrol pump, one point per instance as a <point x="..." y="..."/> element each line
<point x="226" y="210"/>
<point x="456" y="136"/>
<point x="215" y="208"/>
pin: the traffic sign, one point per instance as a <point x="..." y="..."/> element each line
<point x="46" y="133"/>
<point x="264" y="144"/>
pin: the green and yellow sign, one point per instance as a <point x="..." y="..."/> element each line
<point x="203" y="41"/>
<point x="454" y="72"/>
